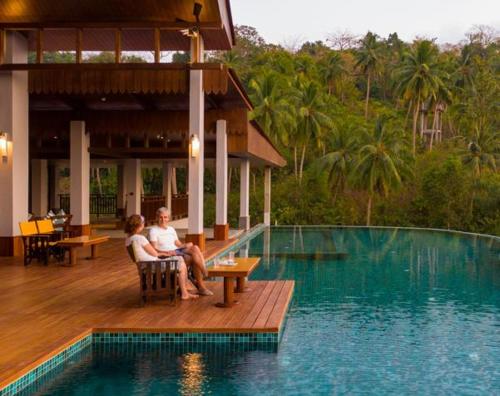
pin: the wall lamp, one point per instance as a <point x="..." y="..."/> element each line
<point x="195" y="146"/>
<point x="3" y="146"/>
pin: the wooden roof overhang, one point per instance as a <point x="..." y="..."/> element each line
<point x="61" y="19"/>
<point x="139" y="111"/>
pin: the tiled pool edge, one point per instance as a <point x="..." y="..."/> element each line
<point x="46" y="366"/>
<point x="265" y="339"/>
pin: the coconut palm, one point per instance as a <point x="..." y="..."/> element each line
<point x="368" y="61"/>
<point x="339" y="160"/>
<point x="332" y="71"/>
<point x="380" y="164"/>
<point x="419" y="78"/>
<point x="312" y="121"/>
<point x="272" y="110"/>
<point x="482" y="152"/>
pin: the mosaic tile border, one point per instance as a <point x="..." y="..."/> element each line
<point x="185" y="338"/>
<point x="44" y="368"/>
<point x="244" y="341"/>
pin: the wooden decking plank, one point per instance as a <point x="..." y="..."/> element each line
<point x="278" y="313"/>
<point x="239" y="315"/>
<point x="258" y="306"/>
<point x="246" y="302"/>
<point x="261" y="320"/>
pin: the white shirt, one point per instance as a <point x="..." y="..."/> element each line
<point x="138" y="242"/>
<point x="164" y="237"/>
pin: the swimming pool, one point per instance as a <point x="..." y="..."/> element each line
<point x="375" y="311"/>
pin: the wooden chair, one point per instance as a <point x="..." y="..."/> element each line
<point x="156" y="278"/>
<point x="36" y="246"/>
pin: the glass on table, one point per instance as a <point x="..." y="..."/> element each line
<point x="230" y="258"/>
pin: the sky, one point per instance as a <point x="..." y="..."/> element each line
<point x="291" y="22"/>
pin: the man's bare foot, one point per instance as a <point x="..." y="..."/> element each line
<point x="205" y="292"/>
<point x="189" y="297"/>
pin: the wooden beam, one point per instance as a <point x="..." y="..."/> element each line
<point x="118" y="45"/>
<point x="112" y="66"/>
<point x="142" y="24"/>
<point x="79" y="44"/>
<point x="157" y="45"/>
<point x="3" y="42"/>
<point x="39" y="46"/>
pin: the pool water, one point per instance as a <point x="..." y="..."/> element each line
<point x="375" y="311"/>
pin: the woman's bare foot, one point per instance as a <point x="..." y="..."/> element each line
<point x="189" y="296"/>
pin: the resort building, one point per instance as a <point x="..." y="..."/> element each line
<point x="79" y="114"/>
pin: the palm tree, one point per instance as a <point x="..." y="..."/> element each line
<point x="339" y="161"/>
<point x="311" y="122"/>
<point x="332" y="71"/>
<point x="368" y="61"/>
<point x="419" y="78"/>
<point x="482" y="153"/>
<point x="380" y="164"/>
<point x="272" y="110"/>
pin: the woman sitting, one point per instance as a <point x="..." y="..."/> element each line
<point x="143" y="251"/>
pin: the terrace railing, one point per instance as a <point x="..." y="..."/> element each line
<point x="105" y="204"/>
<point x="99" y="204"/>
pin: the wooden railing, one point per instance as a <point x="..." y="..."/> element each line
<point x="179" y="206"/>
<point x="105" y="204"/>
<point x="99" y="204"/>
<point x="149" y="206"/>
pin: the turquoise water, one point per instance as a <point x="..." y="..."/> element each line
<point x="403" y="312"/>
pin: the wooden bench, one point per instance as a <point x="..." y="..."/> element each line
<point x="243" y="268"/>
<point x="82" y="241"/>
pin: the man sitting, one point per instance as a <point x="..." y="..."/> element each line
<point x="164" y="239"/>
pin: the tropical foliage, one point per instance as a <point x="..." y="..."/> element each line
<point x="379" y="131"/>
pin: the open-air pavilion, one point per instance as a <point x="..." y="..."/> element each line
<point x="178" y="115"/>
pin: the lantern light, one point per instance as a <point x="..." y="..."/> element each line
<point x="3" y="145"/>
<point x="195" y="146"/>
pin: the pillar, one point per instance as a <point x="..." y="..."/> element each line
<point x="80" y="178"/>
<point x="39" y="187"/>
<point x="195" y="232"/>
<point x="14" y="169"/>
<point x="120" y="191"/>
<point x="167" y="185"/>
<point x="267" y="195"/>
<point x="245" y="194"/>
<point x="174" y="181"/>
<point x="221" y="229"/>
<point x="133" y="185"/>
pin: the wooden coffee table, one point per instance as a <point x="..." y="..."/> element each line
<point x="242" y="269"/>
<point x="82" y="241"/>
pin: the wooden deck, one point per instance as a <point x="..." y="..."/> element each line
<point x="41" y="308"/>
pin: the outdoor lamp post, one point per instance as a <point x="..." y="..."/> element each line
<point x="195" y="146"/>
<point x="3" y="146"/>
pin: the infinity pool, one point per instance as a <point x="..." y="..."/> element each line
<point x="375" y="311"/>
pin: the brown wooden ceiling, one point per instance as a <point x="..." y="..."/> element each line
<point x="59" y="18"/>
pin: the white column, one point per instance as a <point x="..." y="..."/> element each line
<point x="133" y="184"/>
<point x="14" y="171"/>
<point x="167" y="185"/>
<point x="196" y="163"/>
<point x="174" y="181"/>
<point x="267" y="195"/>
<point x="80" y="174"/>
<point x="120" y="189"/>
<point x="39" y="187"/>
<point x="54" y="194"/>
<point x="245" y="194"/>
<point x="221" y="174"/>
